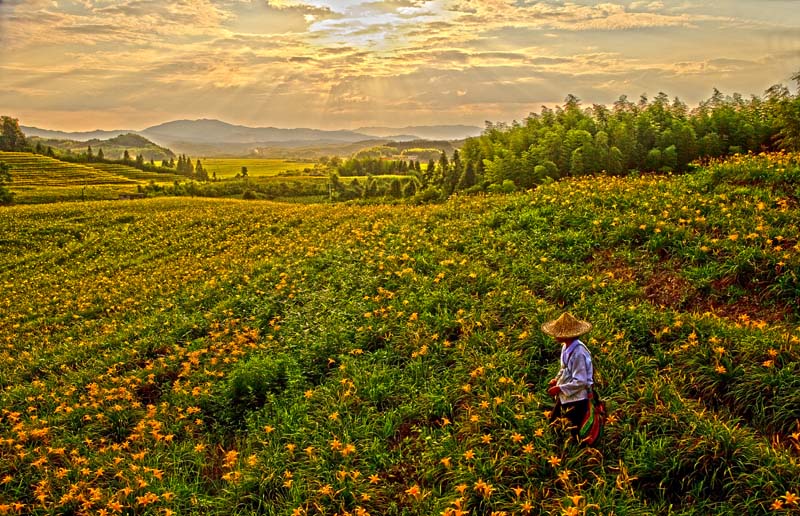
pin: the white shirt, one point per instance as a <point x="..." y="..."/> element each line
<point x="576" y="375"/>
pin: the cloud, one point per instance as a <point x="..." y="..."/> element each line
<point x="334" y="61"/>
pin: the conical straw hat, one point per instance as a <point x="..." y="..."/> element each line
<point x="566" y="327"/>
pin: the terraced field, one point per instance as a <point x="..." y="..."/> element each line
<point x="38" y="179"/>
<point x="35" y="170"/>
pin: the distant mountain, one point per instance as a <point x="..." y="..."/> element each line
<point x="423" y="132"/>
<point x="215" y="131"/>
<point x="206" y="137"/>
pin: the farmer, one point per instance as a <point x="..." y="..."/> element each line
<point x="573" y="384"/>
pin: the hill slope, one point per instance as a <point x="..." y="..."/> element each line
<point x="35" y="170"/>
<point x="194" y="355"/>
<point x="41" y="179"/>
<point x="113" y="148"/>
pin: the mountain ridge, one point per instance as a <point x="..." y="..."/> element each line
<point x="207" y="130"/>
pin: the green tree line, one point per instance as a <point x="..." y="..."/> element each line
<point x="370" y="166"/>
<point x="659" y="134"/>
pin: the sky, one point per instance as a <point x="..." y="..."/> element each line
<point x="79" y="65"/>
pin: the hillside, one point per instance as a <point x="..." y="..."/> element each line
<point x="227" y="357"/>
<point x="41" y="179"/>
<point x="113" y="148"/>
<point x="35" y="170"/>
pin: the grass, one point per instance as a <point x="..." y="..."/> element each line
<point x="269" y="358"/>
<point x="256" y="167"/>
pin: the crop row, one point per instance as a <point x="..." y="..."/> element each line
<point x="136" y="174"/>
<point x="34" y="170"/>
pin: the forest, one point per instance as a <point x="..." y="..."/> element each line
<point x="655" y="134"/>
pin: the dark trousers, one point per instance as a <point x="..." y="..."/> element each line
<point x="574" y="411"/>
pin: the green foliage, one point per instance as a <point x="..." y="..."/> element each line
<point x="254" y="383"/>
<point x="265" y="358"/>
<point x="653" y="135"/>
<point x="12" y="138"/>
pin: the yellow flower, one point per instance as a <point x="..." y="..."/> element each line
<point x="517" y="437"/>
<point x="791" y="498"/>
<point x="414" y="491"/>
<point x="720" y="369"/>
<point x="445" y="462"/>
<point x="554" y="461"/>
<point x="469" y="454"/>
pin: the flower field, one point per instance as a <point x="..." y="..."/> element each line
<point x="205" y="356"/>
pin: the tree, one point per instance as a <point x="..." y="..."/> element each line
<point x="126" y="156"/>
<point x="200" y="172"/>
<point x="6" y="197"/>
<point x="371" y="189"/>
<point x="100" y="155"/>
<point x="11" y="136"/>
<point x="653" y="160"/>
<point x="788" y="118"/>
<point x="467" y="179"/>
<point x="444" y="163"/>
<point x="244" y="171"/>
<point x="89" y="154"/>
<point x="410" y="189"/>
<point x="577" y="164"/>
<point x="669" y="159"/>
<point x="39" y="148"/>
<point x="395" y="188"/>
<point x="616" y="162"/>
